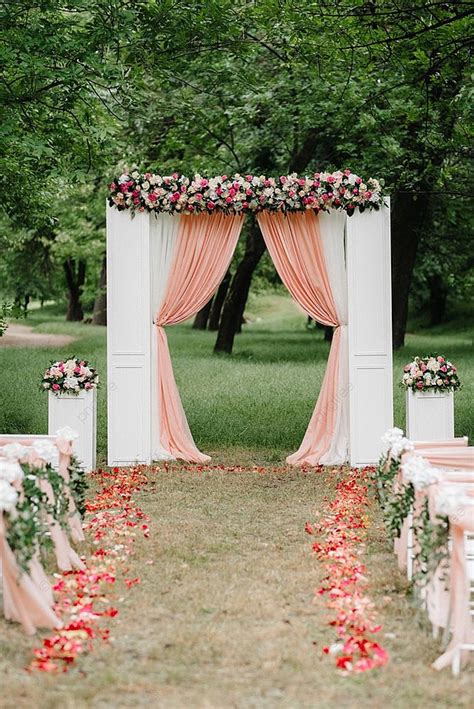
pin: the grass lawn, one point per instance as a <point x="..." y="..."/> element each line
<point x="225" y="617"/>
<point x="261" y="398"/>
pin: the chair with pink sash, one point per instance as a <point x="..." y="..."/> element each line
<point x="443" y="477"/>
<point x="27" y="596"/>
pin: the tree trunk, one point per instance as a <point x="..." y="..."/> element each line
<point x="239" y="289"/>
<point x="99" y="315"/>
<point x="438" y="297"/>
<point x="219" y="298"/>
<point x="200" y="321"/>
<point x="75" y="282"/>
<point x="328" y="333"/>
<point x="408" y="214"/>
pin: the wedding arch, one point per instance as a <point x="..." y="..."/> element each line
<point x="170" y="240"/>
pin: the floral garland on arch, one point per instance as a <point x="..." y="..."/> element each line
<point x="244" y="193"/>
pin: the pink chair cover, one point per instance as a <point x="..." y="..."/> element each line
<point x="23" y="601"/>
<point x="461" y="457"/>
<point x="65" y="451"/>
<point x="294" y="243"/>
<point x="204" y="250"/>
<point x="447" y="443"/>
<point x="66" y="558"/>
<point x="459" y="587"/>
<point x="74" y="519"/>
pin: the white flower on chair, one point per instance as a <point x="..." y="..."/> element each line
<point x="8" y="496"/>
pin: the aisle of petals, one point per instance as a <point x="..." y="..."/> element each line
<point x="85" y="598"/>
<point x="340" y="534"/>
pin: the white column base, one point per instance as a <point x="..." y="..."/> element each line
<point x="79" y="411"/>
<point x="430" y="415"/>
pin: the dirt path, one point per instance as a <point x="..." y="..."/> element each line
<point x="24" y="336"/>
<point x="225" y="618"/>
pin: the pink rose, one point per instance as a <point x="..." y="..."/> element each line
<point x="249" y="178"/>
<point x="175" y="175"/>
<point x="55" y="387"/>
<point x="245" y="205"/>
<point x="136" y="200"/>
<point x="232" y="192"/>
<point x="423" y="367"/>
<point x="152" y="197"/>
<point x="419" y="385"/>
<point x="204" y="183"/>
<point x="331" y="179"/>
<point x="347" y="172"/>
<point x="190" y="208"/>
<point x="444" y="368"/>
<point x="358" y="180"/>
<point x="248" y="192"/>
<point x="112" y="186"/>
<point x="210" y="205"/>
<point x="198" y="196"/>
<point x="174" y="197"/>
<point x="87" y="385"/>
<point x="282" y="179"/>
<point x="123" y="187"/>
<point x="229" y="200"/>
<point x="440" y="359"/>
<point x="183" y="188"/>
<point x="77" y="370"/>
<point x="219" y="191"/>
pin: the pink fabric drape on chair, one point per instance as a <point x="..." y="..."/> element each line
<point x="204" y="250"/>
<point x="295" y="245"/>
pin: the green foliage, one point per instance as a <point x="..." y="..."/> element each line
<point x="219" y="86"/>
<point x="78" y="484"/>
<point x="431" y="543"/>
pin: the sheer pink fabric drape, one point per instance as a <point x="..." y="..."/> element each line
<point x="294" y="243"/>
<point x="204" y="250"/>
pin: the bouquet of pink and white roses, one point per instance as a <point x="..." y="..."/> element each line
<point x="70" y="376"/>
<point x="149" y="192"/>
<point x="433" y="373"/>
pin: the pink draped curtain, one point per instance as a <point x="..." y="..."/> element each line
<point x="295" y="245"/>
<point x="204" y="250"/>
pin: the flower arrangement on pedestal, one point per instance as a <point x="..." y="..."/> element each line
<point x="431" y="373"/>
<point x="70" y="377"/>
<point x="148" y="192"/>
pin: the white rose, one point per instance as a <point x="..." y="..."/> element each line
<point x="71" y="383"/>
<point x="46" y="451"/>
<point x="15" y="451"/>
<point x="69" y="367"/>
<point x="8" y="496"/>
<point x="67" y="433"/>
<point x="10" y="470"/>
<point x="145" y="185"/>
<point x="419" y="472"/>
